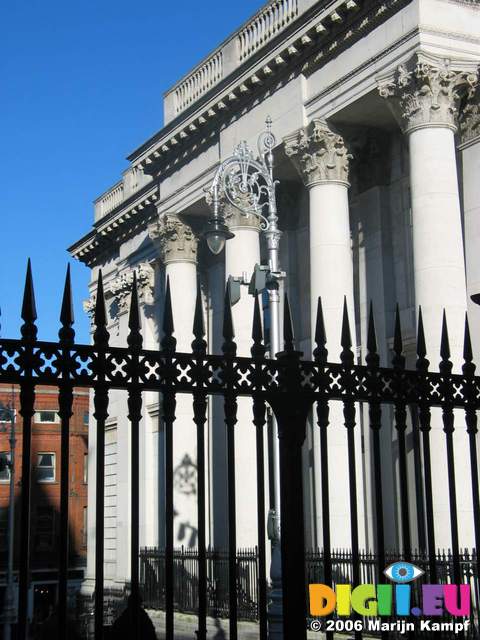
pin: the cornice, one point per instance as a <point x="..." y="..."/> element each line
<point x="314" y="38"/>
<point x="133" y="215"/>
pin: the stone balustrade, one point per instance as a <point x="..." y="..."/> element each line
<point x="132" y="181"/>
<point x="109" y="200"/>
<point x="199" y="82"/>
<point x="275" y="16"/>
<point x="265" y="25"/>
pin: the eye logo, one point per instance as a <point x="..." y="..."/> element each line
<point x="403" y="572"/>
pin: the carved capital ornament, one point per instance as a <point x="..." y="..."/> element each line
<point x="319" y="154"/>
<point x="121" y="287"/>
<point x="426" y="92"/>
<point x="469" y="121"/>
<point x="176" y="240"/>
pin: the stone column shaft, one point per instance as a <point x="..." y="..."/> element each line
<point x="242" y="252"/>
<point x="178" y="251"/>
<point x="322" y="160"/>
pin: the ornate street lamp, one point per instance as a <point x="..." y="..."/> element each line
<point x="247" y="182"/>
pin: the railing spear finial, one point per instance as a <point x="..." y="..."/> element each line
<point x="67" y="333"/>
<point x="229" y="347"/>
<point x="168" y="341"/>
<point x="100" y="335"/>
<point x="134" y="338"/>
<point x="258" y="348"/>
<point x="199" y="345"/>
<point x="398" y="359"/>
<point x="468" y="367"/>
<point x="422" y="362"/>
<point x="372" y="349"/>
<point x="288" y="333"/>
<point x="346" y="355"/>
<point x="29" y="309"/>
<point x="445" y="364"/>
<point x="320" y="353"/>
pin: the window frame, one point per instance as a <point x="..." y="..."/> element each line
<point x="54" y="466"/>
<point x="56" y="419"/>
<point x="8" y="420"/>
<point x="8" y="455"/>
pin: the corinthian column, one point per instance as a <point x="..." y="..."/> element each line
<point x="177" y="245"/>
<point x="322" y="159"/>
<point x="424" y="95"/>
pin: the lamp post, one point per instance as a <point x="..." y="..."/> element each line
<point x="247" y="182"/>
<point x="8" y="413"/>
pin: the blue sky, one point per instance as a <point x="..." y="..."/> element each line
<point x="81" y="87"/>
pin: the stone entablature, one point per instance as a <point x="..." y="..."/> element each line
<point x="175" y="240"/>
<point x="324" y="34"/>
<point x="426" y="91"/>
<point x="319" y="154"/>
<point x="309" y="41"/>
<point x="115" y="225"/>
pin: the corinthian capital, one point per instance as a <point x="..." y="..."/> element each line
<point x="319" y="154"/>
<point x="176" y="240"/>
<point x="426" y="91"/>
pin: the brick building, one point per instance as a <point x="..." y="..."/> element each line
<point x="45" y="503"/>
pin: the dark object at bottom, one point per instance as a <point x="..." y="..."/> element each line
<point x="124" y="629"/>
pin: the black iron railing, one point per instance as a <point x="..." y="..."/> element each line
<point x="152" y="576"/>
<point x="186" y="581"/>
<point x="292" y="387"/>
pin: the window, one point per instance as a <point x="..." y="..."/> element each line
<point x="85" y="468"/>
<point x="4" y="468"/>
<point x="85" y="418"/>
<point x="47" y="416"/>
<point x="46" y="467"/>
<point x="6" y="414"/>
<point x="44" y="528"/>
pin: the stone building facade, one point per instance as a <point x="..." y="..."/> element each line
<point x="375" y="107"/>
